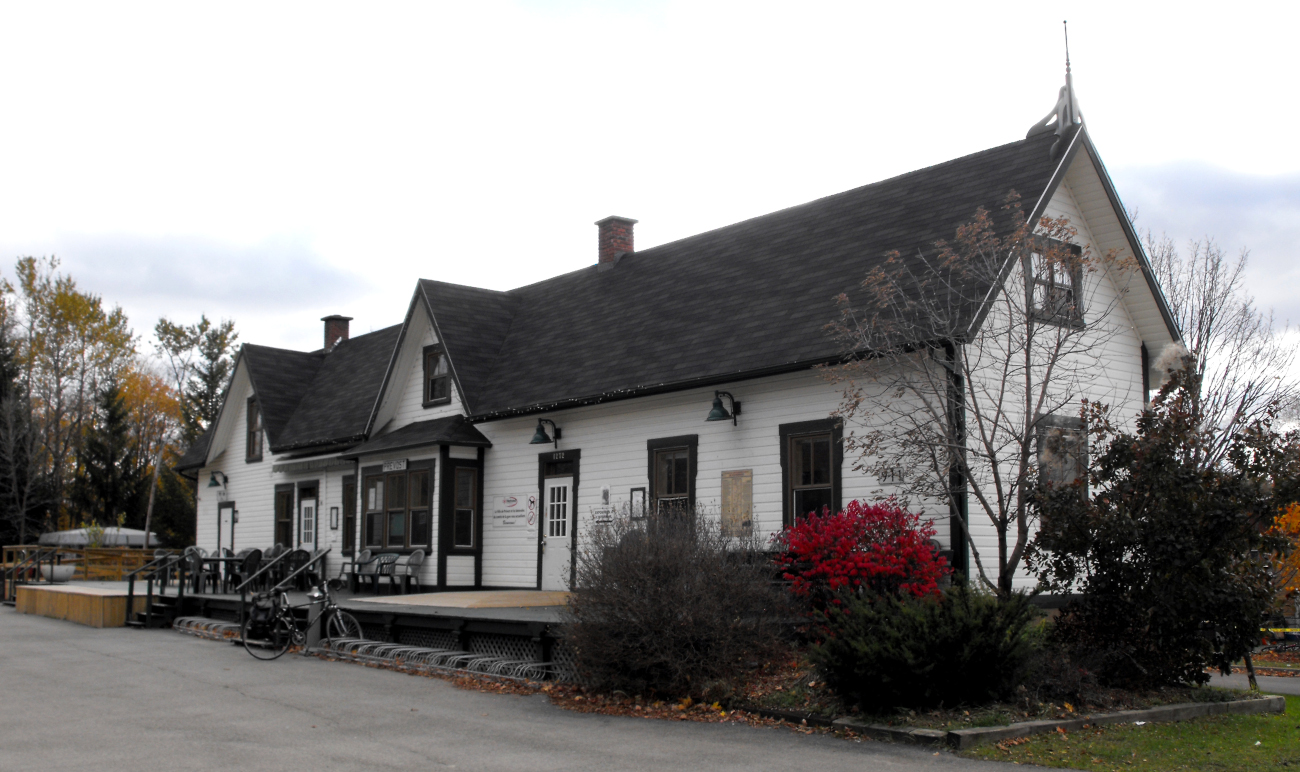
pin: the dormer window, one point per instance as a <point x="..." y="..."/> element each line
<point x="253" y="443"/>
<point x="437" y="377"/>
<point x="1054" y="275"/>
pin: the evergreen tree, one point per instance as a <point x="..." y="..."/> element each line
<point x="19" y="483"/>
<point x="114" y="478"/>
<point x="201" y="360"/>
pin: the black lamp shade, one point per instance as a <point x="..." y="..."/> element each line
<point x="214" y="482"/>
<point x="540" y="437"/>
<point x="718" y="413"/>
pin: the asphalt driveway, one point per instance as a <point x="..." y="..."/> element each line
<point x="79" y="698"/>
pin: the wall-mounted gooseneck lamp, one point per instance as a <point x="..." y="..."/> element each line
<point x="719" y="413"/>
<point x="540" y="437"/>
<point x="218" y="483"/>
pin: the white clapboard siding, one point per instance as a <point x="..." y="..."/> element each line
<point x="249" y="485"/>
<point x="403" y="403"/>
<point x="612" y="438"/>
<point x="1112" y="369"/>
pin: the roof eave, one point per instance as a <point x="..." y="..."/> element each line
<point x="1135" y="243"/>
<point x="659" y="388"/>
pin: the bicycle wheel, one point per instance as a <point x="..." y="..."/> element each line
<point x="270" y="641"/>
<point x="341" y="624"/>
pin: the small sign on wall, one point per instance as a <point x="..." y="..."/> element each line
<point x="738" y="503"/>
<point x="395" y="466"/>
<point x="509" y="512"/>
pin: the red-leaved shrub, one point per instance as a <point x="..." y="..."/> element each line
<point x="881" y="548"/>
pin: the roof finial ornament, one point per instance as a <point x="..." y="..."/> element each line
<point x="1066" y="112"/>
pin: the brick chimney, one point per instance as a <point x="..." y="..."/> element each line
<point x="336" y="330"/>
<point x="615" y="238"/>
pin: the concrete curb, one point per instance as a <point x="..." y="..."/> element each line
<point x="960" y="739"/>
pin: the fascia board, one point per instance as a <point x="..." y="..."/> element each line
<point x="446" y="350"/>
<point x="392" y="363"/>
<point x="225" y="399"/>
<point x="1135" y="243"/>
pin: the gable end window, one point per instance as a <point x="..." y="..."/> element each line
<point x="253" y="441"/>
<point x="812" y="456"/>
<point x="1054" y="282"/>
<point x="437" y="377"/>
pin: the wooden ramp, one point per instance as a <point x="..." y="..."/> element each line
<point x="93" y="606"/>
<point x="478" y="599"/>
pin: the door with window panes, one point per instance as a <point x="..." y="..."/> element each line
<point x="397" y="510"/>
<point x="558" y="522"/>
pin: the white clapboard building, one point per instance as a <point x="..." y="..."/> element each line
<point x="488" y="428"/>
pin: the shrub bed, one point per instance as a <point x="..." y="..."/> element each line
<point x="671" y="607"/>
<point x="884" y="651"/>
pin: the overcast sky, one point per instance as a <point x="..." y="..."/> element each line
<point x="277" y="162"/>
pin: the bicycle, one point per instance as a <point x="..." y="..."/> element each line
<point x="271" y="628"/>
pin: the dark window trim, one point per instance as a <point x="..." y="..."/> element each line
<point x="300" y="486"/>
<point x="1075" y="319"/>
<point x="802" y="428"/>
<point x="253" y="410"/>
<point x="231" y="506"/>
<point x="290" y="489"/>
<point x="689" y="441"/>
<point x="424" y="368"/>
<point x="1073" y="423"/>
<point x="446" y="507"/>
<point x="349" y="479"/>
<point x="430" y="465"/>
<point x="542" y="458"/>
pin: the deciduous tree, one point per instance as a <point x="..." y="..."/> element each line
<point x="962" y="357"/>
<point x="1241" y="362"/>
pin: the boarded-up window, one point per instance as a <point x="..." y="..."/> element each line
<point x="738" y="503"/>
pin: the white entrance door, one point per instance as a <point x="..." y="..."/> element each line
<point x="226" y="526"/>
<point x="307" y="520"/>
<point x="557" y="532"/>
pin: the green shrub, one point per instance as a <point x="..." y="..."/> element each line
<point x="884" y="652"/>
<point x="1169" y="553"/>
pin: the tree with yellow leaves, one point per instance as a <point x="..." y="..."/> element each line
<point x="1288" y="566"/>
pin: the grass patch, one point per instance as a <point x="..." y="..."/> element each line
<point x="1218" y="743"/>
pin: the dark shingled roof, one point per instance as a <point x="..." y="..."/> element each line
<point x="337" y="405"/>
<point x="196" y="454"/>
<point x="748" y="298"/>
<point x="280" y="379"/>
<point x="743" y="300"/>
<point x="472" y="330"/>
<point x="452" y="430"/>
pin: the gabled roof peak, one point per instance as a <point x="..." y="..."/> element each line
<point x="1065" y="116"/>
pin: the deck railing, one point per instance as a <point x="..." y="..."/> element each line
<point x="22" y="566"/>
<point x="158" y="570"/>
<point x="251" y="581"/>
<point x="102" y="564"/>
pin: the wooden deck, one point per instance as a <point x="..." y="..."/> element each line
<point x="92" y="606"/>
